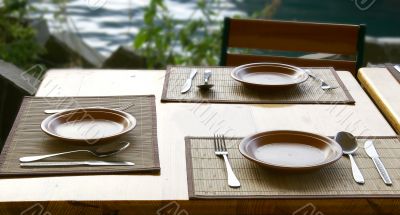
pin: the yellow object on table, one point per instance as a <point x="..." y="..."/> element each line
<point x="384" y="89"/>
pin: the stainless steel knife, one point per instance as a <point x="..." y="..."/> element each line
<point x="188" y="84"/>
<point x="397" y="67"/>
<point x="76" y="163"/>
<point x="371" y="152"/>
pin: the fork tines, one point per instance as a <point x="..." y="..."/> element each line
<point x="219" y="143"/>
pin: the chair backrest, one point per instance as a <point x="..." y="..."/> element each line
<point x="347" y="40"/>
<point x="14" y="85"/>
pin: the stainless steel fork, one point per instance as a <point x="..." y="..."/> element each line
<point x="122" y="108"/>
<point x="220" y="150"/>
<point x="324" y="85"/>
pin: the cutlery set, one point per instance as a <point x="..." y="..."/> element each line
<point x="349" y="145"/>
<point x="373" y="154"/>
<point x="104" y="150"/>
<point x="188" y="83"/>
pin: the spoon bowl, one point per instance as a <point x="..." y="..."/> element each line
<point x="206" y="85"/>
<point x="109" y="149"/>
<point x="98" y="151"/>
<point x="347" y="141"/>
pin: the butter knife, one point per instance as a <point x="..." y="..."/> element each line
<point x="371" y="152"/>
<point x="76" y="163"/>
<point x="188" y="84"/>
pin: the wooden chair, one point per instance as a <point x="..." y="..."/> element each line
<point x="346" y="40"/>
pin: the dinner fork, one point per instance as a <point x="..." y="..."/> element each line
<point x="220" y="150"/>
<point x="324" y="85"/>
<point x="122" y="108"/>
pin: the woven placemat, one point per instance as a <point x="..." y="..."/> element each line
<point x="207" y="174"/>
<point x="395" y="73"/>
<point x="27" y="139"/>
<point x="227" y="90"/>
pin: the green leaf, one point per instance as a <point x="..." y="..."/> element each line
<point x="140" y="38"/>
<point x="149" y="16"/>
<point x="190" y="42"/>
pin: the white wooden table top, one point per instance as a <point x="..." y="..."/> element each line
<point x="384" y="90"/>
<point x="177" y="120"/>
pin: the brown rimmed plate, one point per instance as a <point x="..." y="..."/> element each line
<point x="89" y="124"/>
<point x="290" y="150"/>
<point x="269" y="75"/>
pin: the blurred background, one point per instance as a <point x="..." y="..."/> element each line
<point x="155" y="33"/>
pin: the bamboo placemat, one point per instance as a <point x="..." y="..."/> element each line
<point x="27" y="139"/>
<point x="395" y="73"/>
<point x="227" y="90"/>
<point x="207" y="178"/>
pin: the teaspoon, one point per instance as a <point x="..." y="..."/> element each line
<point x="349" y="146"/>
<point x="206" y="85"/>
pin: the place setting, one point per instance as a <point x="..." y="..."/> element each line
<point x="257" y="83"/>
<point x="292" y="164"/>
<point x="82" y="135"/>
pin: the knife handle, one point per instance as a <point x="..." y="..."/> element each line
<point x="53" y="111"/>
<point x="77" y="163"/>
<point x="382" y="171"/>
<point x="50" y="164"/>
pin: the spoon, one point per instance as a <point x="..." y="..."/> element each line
<point x="206" y="86"/>
<point x="349" y="146"/>
<point x="99" y="151"/>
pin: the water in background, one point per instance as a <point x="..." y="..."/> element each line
<point x="107" y="24"/>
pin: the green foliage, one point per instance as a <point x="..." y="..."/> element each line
<point x="17" y="40"/>
<point x="164" y="40"/>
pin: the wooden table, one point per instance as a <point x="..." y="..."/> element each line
<point x="384" y="90"/>
<point x="145" y="194"/>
